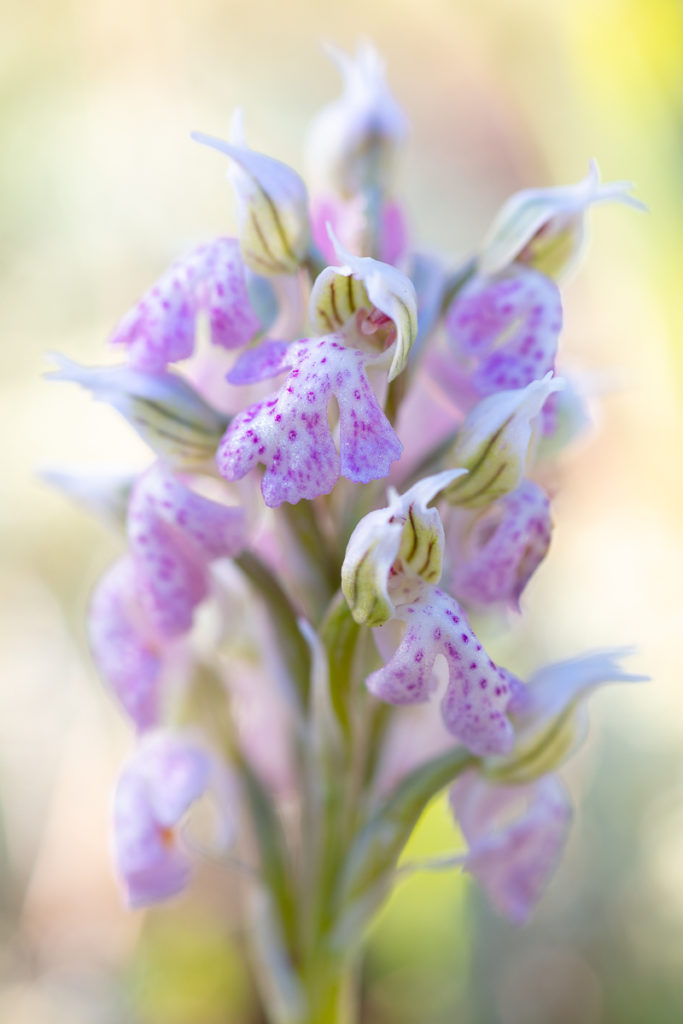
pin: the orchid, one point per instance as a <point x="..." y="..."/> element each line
<point x="303" y="656"/>
<point x="157" y="787"/>
<point x="161" y="327"/>
<point x="545" y="227"/>
<point x="352" y="148"/>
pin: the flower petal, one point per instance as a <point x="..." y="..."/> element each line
<point x="515" y="835"/>
<point x="272" y="204"/>
<point x="123" y="644"/>
<point x="495" y="555"/>
<point x="290" y="433"/>
<point x="493" y="442"/>
<point x="364" y="283"/>
<point x="478" y="692"/>
<point x="161" y="327"/>
<point x="407" y="533"/>
<point x="508" y="326"/>
<point x="164" y="408"/>
<point x="157" y="786"/>
<point x="174" y="534"/>
<point x="545" y="226"/>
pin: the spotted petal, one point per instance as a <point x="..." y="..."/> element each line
<point x="515" y="835"/>
<point x="508" y="327"/>
<point x="495" y="555"/>
<point x="478" y="692"/>
<point x="174" y="534"/>
<point x="156" y="788"/>
<point x="124" y="645"/>
<point x="161" y="327"/>
<point x="290" y="433"/>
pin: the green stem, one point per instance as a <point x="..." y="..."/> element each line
<point x="318" y="570"/>
<point x="332" y="993"/>
<point x="292" y="645"/>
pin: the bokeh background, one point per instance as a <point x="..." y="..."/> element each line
<point x="100" y="188"/>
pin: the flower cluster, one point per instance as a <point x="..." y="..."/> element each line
<point x="230" y="631"/>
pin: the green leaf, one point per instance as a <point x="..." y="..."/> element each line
<point x="374" y="855"/>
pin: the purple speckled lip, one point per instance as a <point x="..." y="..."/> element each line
<point x="290" y="433"/>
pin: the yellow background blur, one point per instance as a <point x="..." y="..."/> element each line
<point x="101" y="188"/>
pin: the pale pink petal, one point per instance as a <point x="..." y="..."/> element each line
<point x="123" y="644"/>
<point x="290" y="432"/>
<point x="478" y="692"/>
<point x="502" y="548"/>
<point x="174" y="534"/>
<point x="507" y="327"/>
<point x="155" y="789"/>
<point x="515" y="836"/>
<point x="161" y="327"/>
<point x="255" y="364"/>
<point x="351" y="224"/>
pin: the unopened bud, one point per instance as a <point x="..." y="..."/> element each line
<point x="550" y="714"/>
<point x="544" y="228"/>
<point x="272" y="205"/>
<point x="493" y="443"/>
<point x="394" y="548"/>
<point x="353" y="141"/>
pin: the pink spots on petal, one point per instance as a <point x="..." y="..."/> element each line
<point x="160" y="328"/>
<point x="515" y="836"/>
<point x="506" y="328"/>
<point x="174" y="534"/>
<point x="502" y="549"/>
<point x="124" y="646"/>
<point x="295" y="422"/>
<point x="473" y="709"/>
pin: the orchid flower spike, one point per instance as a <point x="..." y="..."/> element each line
<point x="365" y="298"/>
<point x="272" y="204"/>
<point x="353" y="141"/>
<point x="494" y="440"/>
<point x="166" y="775"/>
<point x="544" y="228"/>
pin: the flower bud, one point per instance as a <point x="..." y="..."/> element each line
<point x="544" y="228"/>
<point x="164" y="409"/>
<point x="393" y="548"/>
<point x="272" y="205"/>
<point x="352" y="142"/>
<point x="493" y="443"/>
<point x="363" y="284"/>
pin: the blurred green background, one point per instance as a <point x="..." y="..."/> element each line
<point x="100" y="188"/>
